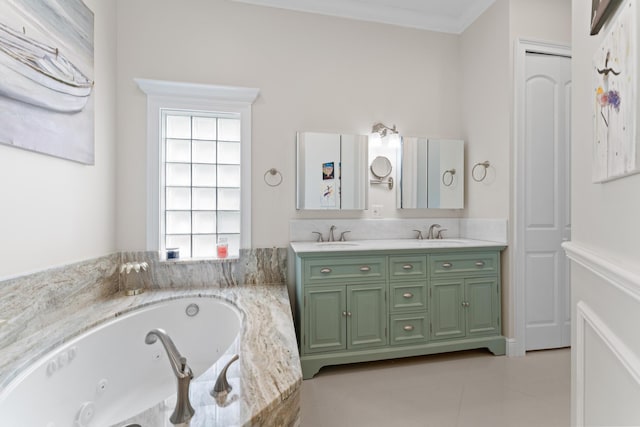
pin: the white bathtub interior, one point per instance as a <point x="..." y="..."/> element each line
<point x="109" y="374"/>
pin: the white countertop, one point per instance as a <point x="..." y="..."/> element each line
<point x="392" y="244"/>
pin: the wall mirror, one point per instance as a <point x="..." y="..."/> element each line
<point x="331" y="171"/>
<point x="431" y="173"/>
<point x="381" y="169"/>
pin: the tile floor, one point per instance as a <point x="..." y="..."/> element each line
<point x="464" y="389"/>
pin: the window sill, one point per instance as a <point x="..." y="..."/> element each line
<point x="183" y="261"/>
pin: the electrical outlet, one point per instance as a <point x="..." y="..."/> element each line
<point x="376" y="210"/>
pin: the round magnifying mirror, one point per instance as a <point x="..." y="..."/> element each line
<point x="381" y="167"/>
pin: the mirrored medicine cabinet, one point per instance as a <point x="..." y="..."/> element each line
<point x="331" y="171"/>
<point x="439" y="185"/>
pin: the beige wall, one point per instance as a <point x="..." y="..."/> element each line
<point x="543" y="20"/>
<point x="56" y="211"/>
<point x="486" y="110"/>
<point x="315" y="73"/>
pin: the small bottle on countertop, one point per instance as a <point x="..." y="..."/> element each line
<point x="223" y="247"/>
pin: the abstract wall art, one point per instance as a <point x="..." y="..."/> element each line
<point x="46" y="90"/>
<point x="615" y="99"/>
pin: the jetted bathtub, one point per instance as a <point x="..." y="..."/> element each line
<point x="108" y="374"/>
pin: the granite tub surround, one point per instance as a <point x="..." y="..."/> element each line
<point x="267" y="375"/>
<point x="253" y="266"/>
<point x="31" y="302"/>
<point x="494" y="230"/>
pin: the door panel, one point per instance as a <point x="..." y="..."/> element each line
<point x="483" y="306"/>
<point x="546" y="196"/>
<point x="367" y="318"/>
<point x="326" y="324"/>
<point x="447" y="313"/>
<point x="541" y="197"/>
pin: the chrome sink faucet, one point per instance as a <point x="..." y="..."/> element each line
<point x="183" y="411"/>
<point x="331" y="238"/>
<point x="431" y="234"/>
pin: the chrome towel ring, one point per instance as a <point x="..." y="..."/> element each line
<point x="451" y="173"/>
<point x="273" y="177"/>
<point x="484" y="164"/>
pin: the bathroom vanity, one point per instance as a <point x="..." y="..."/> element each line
<point x="383" y="299"/>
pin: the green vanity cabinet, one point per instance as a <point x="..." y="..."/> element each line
<point x="464" y="295"/>
<point x="354" y="306"/>
<point x="341" y="317"/>
<point x="464" y="308"/>
<point x="408" y="317"/>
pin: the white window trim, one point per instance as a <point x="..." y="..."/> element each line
<point x="192" y="96"/>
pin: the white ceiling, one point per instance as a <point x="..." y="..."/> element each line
<point x="448" y="16"/>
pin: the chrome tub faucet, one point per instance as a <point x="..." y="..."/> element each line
<point x="183" y="411"/>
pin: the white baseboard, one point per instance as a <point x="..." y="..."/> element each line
<point x="513" y="349"/>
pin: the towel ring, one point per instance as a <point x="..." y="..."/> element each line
<point x="274" y="173"/>
<point x="451" y="173"/>
<point x="486" y="165"/>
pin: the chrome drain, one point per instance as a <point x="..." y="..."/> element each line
<point x="192" y="310"/>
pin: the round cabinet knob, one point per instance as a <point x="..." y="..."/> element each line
<point x="479" y="263"/>
<point x="408" y="328"/>
<point x="407" y="295"/>
<point x="348" y="314"/>
<point x="365" y="268"/>
<point x="447" y="265"/>
<point x="344" y="313"/>
<point x="325" y="270"/>
<point x="407" y="267"/>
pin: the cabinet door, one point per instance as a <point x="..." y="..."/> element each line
<point x="367" y="314"/>
<point x="483" y="309"/>
<point x="326" y="321"/>
<point x="447" y="314"/>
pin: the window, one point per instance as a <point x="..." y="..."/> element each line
<point x="201" y="191"/>
<point x="198" y="172"/>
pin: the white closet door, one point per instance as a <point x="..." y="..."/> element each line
<point x="547" y="200"/>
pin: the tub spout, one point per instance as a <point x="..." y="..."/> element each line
<point x="183" y="411"/>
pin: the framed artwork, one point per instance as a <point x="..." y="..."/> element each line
<point x="615" y="99"/>
<point x="328" y="170"/>
<point x="601" y="11"/>
<point x="46" y="90"/>
<point x="328" y="194"/>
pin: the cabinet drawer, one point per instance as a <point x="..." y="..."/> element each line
<point x="410" y="296"/>
<point x="463" y="264"/>
<point x="408" y="267"/>
<point x="408" y="328"/>
<point x="349" y="269"/>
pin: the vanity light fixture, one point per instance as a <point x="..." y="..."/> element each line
<point x="382" y="130"/>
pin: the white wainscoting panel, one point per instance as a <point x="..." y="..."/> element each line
<point x="606" y="356"/>
<point x="607" y="374"/>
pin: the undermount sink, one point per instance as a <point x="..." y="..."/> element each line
<point x="440" y="242"/>
<point x="334" y="245"/>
